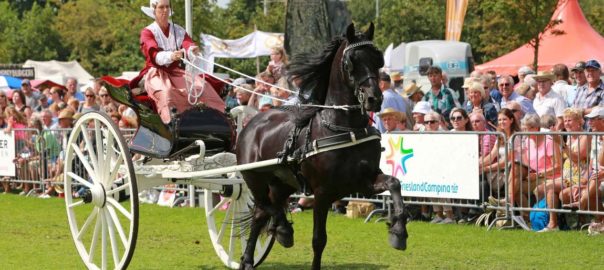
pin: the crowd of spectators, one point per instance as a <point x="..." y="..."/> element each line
<point x="563" y="170"/>
<point x="41" y="119"/>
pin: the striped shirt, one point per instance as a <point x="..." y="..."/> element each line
<point x="586" y="99"/>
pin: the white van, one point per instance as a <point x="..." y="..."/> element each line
<point x="414" y="58"/>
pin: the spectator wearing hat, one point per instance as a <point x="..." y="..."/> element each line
<point x="397" y="82"/>
<point x="592" y="93"/>
<point x="391" y="100"/>
<point x="508" y="94"/>
<point x="547" y="101"/>
<point x="414" y="93"/>
<point x="243" y="94"/>
<point x="578" y="74"/>
<point x="391" y="119"/>
<point x="522" y="72"/>
<point x="439" y="97"/>
<point x="562" y="86"/>
<point x="478" y="104"/>
<point x="419" y="111"/>
<point x="31" y="97"/>
<point x="42" y="104"/>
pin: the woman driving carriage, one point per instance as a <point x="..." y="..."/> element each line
<point x="164" y="44"/>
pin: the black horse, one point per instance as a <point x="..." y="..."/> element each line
<point x="344" y="78"/>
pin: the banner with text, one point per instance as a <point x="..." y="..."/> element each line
<point x="7" y="154"/>
<point x="433" y="165"/>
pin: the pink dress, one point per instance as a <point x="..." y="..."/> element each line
<point x="165" y="80"/>
<point x="540" y="157"/>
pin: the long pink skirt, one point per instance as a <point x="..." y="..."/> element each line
<point x="168" y="90"/>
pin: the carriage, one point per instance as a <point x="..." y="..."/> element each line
<point x="197" y="149"/>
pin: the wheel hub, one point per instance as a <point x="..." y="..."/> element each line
<point x="99" y="197"/>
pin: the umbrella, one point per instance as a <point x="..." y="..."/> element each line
<point x="9" y="82"/>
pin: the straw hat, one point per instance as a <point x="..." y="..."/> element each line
<point x="412" y="89"/>
<point x="65" y="113"/>
<point x="396" y="76"/>
<point x="544" y="75"/>
<point x="391" y="111"/>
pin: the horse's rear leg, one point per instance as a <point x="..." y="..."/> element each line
<point x="319" y="237"/>
<point x="284" y="232"/>
<point x="259" y="220"/>
<point x="398" y="222"/>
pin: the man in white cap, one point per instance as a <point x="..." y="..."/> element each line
<point x="522" y="72"/>
<point x="419" y="111"/>
<point x="590" y="94"/>
<point x="164" y="44"/>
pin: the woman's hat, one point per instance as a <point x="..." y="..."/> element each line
<point x="391" y="111"/>
<point x="422" y="107"/>
<point x="66" y="113"/>
<point x="149" y="11"/>
<point x="412" y="89"/>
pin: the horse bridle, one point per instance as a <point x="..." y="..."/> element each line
<point x="348" y="67"/>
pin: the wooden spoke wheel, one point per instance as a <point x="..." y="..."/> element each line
<point x="100" y="193"/>
<point x="225" y="211"/>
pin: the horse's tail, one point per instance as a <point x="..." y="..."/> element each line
<point x="244" y="222"/>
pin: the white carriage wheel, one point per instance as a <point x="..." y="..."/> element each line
<point x="104" y="219"/>
<point x="224" y="213"/>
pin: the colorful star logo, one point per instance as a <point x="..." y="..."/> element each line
<point x="396" y="147"/>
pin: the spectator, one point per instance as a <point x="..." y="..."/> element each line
<point x="282" y="94"/>
<point x="14" y="122"/>
<point x="391" y="119"/>
<point x="586" y="195"/>
<point x="105" y="98"/>
<point x="578" y="72"/>
<point x="432" y="121"/>
<point x="231" y="97"/>
<point x="522" y="72"/>
<point x="72" y="90"/>
<point x="47" y="119"/>
<point x="42" y="104"/>
<point x="56" y="95"/>
<point x="523" y="89"/>
<point x="419" y="111"/>
<point x="391" y="100"/>
<point x="19" y="101"/>
<point x="547" y="101"/>
<point x="491" y="85"/>
<point x="516" y="109"/>
<point x="89" y="104"/>
<point x="31" y="97"/>
<point x="561" y="86"/>
<point x="487" y="141"/>
<point x="439" y="97"/>
<point x="477" y="103"/>
<point x="262" y="94"/>
<point x="48" y="149"/>
<point x="460" y="120"/>
<point x="397" y="82"/>
<point x="592" y="93"/>
<point x="508" y="94"/>
<point x="97" y="86"/>
<point x="243" y="94"/>
<point x="73" y="104"/>
<point x="110" y="108"/>
<point x="548" y="123"/>
<point x="3" y="102"/>
<point x="276" y="67"/>
<point x="542" y="155"/>
<point x="414" y="94"/>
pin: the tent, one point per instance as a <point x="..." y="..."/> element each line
<point x="579" y="42"/>
<point x="58" y="72"/>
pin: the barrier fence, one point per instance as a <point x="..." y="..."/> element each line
<point x="454" y="173"/>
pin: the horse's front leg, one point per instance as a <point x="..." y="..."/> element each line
<point x="259" y="220"/>
<point x="319" y="237"/>
<point x="398" y="222"/>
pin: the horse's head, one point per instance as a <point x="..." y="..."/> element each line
<point x="361" y="62"/>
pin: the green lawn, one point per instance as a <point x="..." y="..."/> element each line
<point x="35" y="235"/>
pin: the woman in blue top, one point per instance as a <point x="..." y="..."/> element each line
<point x="478" y="104"/>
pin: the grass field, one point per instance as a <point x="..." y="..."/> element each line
<point x="35" y="235"/>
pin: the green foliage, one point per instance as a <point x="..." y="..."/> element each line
<point x="8" y="29"/>
<point x="35" y="39"/>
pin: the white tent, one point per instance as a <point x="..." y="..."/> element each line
<point x="58" y="71"/>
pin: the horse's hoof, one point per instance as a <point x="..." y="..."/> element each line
<point x="397" y="242"/>
<point x="285" y="235"/>
<point x="246" y="266"/>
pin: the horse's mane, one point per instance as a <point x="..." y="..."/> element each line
<point x="312" y="69"/>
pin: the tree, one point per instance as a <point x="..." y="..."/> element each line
<point x="8" y="29"/>
<point x="34" y="37"/>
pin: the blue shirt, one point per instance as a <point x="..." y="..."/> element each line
<point x="525" y="103"/>
<point x="391" y="100"/>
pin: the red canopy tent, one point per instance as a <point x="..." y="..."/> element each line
<point x="580" y="42"/>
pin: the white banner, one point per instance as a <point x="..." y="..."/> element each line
<point x="7" y="154"/>
<point x="433" y="165"/>
<point x="257" y="43"/>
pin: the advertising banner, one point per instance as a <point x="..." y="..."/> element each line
<point x="7" y="154"/>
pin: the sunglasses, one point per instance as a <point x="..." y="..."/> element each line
<point x="504" y="84"/>
<point x="457" y="118"/>
<point x="430" y="122"/>
<point x="89" y="95"/>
